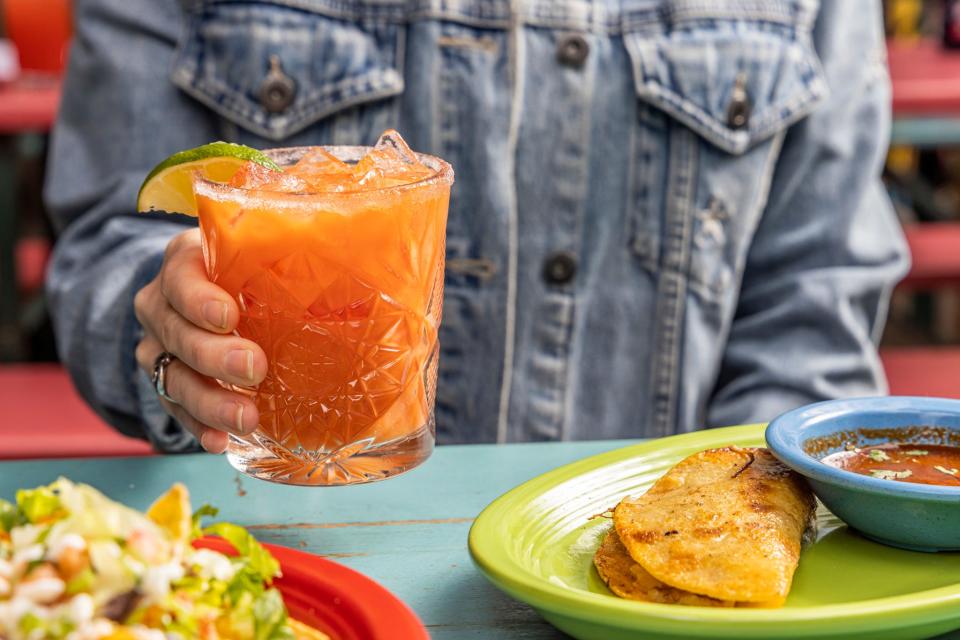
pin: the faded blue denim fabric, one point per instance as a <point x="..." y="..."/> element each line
<point x="667" y="214"/>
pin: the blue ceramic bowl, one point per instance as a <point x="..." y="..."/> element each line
<point x="912" y="516"/>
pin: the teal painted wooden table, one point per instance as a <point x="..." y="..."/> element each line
<point x="409" y="533"/>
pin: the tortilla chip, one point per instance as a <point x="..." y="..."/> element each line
<point x="172" y="512"/>
<point x="302" y="631"/>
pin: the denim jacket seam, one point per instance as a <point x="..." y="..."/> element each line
<point x="516" y="60"/>
<point x="402" y="11"/>
<point x="694" y="117"/>
<point x="383" y="11"/>
<point x="566" y="409"/>
<point x="400" y="66"/>
<point x="763" y="188"/>
<point x="801" y="13"/>
<point x="710" y="294"/>
<point x="671" y="299"/>
<point x="573" y="25"/>
<point x="797" y="13"/>
<point x="532" y="15"/>
<point x="764" y="184"/>
<point x="793" y="109"/>
<point x="429" y="13"/>
<point x="372" y="86"/>
<point x="444" y="123"/>
<point x="653" y="24"/>
<point x="642" y="242"/>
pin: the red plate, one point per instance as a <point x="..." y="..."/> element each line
<point x="342" y="603"/>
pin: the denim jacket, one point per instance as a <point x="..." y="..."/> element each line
<point x="667" y="213"/>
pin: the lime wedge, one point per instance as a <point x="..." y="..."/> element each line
<point x="169" y="186"/>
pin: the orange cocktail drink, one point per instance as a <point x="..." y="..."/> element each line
<point x="337" y="267"/>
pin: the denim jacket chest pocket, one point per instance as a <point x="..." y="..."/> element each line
<point x="717" y="90"/>
<point x="273" y="71"/>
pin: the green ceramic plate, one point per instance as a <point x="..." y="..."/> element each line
<point x="537" y="541"/>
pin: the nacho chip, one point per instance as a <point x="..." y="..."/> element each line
<point x="172" y="513"/>
<point x="305" y="632"/>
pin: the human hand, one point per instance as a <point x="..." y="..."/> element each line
<point x="185" y="314"/>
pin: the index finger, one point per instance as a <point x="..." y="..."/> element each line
<point x="184" y="283"/>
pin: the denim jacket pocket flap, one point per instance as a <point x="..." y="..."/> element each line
<point x="734" y="82"/>
<point x="275" y="70"/>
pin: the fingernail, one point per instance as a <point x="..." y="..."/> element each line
<point x="231" y="417"/>
<point x="239" y="422"/>
<point x="215" y="313"/>
<point x="205" y="441"/>
<point x="239" y="363"/>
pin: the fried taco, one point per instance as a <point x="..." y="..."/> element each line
<point x="723" y="528"/>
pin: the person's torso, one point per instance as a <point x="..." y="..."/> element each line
<point x="612" y="158"/>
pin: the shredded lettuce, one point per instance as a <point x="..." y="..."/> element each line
<point x="82" y="582"/>
<point x="29" y="623"/>
<point x="201" y="512"/>
<point x="113" y="574"/>
<point x="270" y="617"/>
<point x="257" y="558"/>
<point x="38" y="504"/>
<point x="182" y="620"/>
<point x="257" y="568"/>
<point x="8" y="516"/>
<point x="33" y="626"/>
<point x="240" y="618"/>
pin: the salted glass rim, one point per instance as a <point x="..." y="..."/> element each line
<point x="442" y="173"/>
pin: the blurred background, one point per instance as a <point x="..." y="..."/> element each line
<point x="920" y="349"/>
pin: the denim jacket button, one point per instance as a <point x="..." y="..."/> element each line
<point x="738" y="111"/>
<point x="277" y="89"/>
<point x="560" y="268"/>
<point x="572" y="50"/>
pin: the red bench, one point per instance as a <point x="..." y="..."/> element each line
<point x="935" y="252"/>
<point x="925" y="78"/>
<point x="928" y="371"/>
<point x="923" y="371"/>
<point x="42" y="416"/>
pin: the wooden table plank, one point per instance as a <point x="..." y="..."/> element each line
<point x="408" y="533"/>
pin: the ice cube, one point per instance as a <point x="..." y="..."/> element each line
<point x="389" y="163"/>
<point x="323" y="171"/>
<point x="319" y="160"/>
<point x="256" y="176"/>
<point x="391" y="144"/>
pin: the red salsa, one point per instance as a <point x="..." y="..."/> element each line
<point x="919" y="463"/>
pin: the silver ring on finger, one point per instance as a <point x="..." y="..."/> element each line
<point x="159" y="377"/>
